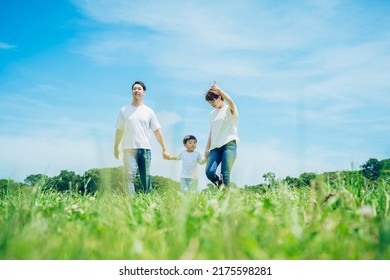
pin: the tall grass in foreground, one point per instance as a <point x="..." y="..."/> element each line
<point x="346" y="221"/>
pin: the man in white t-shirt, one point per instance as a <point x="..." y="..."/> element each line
<point x="133" y="126"/>
<point x="190" y="160"/>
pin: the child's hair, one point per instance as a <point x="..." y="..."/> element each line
<point x="212" y="94"/>
<point x="189" y="137"/>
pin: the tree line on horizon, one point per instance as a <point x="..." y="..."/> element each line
<point x="105" y="179"/>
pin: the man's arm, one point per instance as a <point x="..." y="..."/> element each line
<point x="118" y="138"/>
<point x="160" y="138"/>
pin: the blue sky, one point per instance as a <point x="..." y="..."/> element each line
<point x="310" y="80"/>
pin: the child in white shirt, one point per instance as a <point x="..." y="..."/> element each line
<point x="190" y="160"/>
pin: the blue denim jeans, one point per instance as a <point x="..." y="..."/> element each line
<point x="225" y="155"/>
<point x="138" y="159"/>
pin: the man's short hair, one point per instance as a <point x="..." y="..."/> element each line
<point x="139" y="83"/>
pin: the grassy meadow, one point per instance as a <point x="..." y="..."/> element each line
<point x="347" y="220"/>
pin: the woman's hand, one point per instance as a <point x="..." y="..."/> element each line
<point x="215" y="87"/>
<point x="225" y="97"/>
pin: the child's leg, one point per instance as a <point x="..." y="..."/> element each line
<point x="185" y="184"/>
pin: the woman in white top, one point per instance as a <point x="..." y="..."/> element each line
<point x="223" y="138"/>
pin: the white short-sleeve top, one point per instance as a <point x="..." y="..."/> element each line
<point x="137" y="122"/>
<point x="223" y="127"/>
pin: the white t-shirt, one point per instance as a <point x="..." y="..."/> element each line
<point x="223" y="127"/>
<point x="189" y="164"/>
<point x="136" y="123"/>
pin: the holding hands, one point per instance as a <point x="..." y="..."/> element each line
<point x="166" y="155"/>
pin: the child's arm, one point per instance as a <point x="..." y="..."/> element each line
<point x="171" y="158"/>
<point x="200" y="160"/>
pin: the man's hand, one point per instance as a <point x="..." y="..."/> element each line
<point x="116" y="152"/>
<point x="165" y="154"/>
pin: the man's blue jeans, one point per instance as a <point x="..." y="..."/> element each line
<point x="138" y="159"/>
<point x="225" y="155"/>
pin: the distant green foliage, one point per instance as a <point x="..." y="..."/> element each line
<point x="114" y="179"/>
<point x="306" y="179"/>
<point x="8" y="185"/>
<point x="93" y="180"/>
<point x="270" y="178"/>
<point x="372" y="169"/>
<point x="35" y="179"/>
<point x="385" y="170"/>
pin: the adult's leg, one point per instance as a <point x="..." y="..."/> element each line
<point x="130" y="164"/>
<point x="213" y="161"/>
<point x="185" y="184"/>
<point x="228" y="157"/>
<point x="143" y="159"/>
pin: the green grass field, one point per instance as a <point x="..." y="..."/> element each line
<point x="343" y="221"/>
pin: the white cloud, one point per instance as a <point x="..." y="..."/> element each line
<point x="112" y="48"/>
<point x="5" y="46"/>
<point x="173" y="16"/>
<point x="194" y="41"/>
<point x="304" y="51"/>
